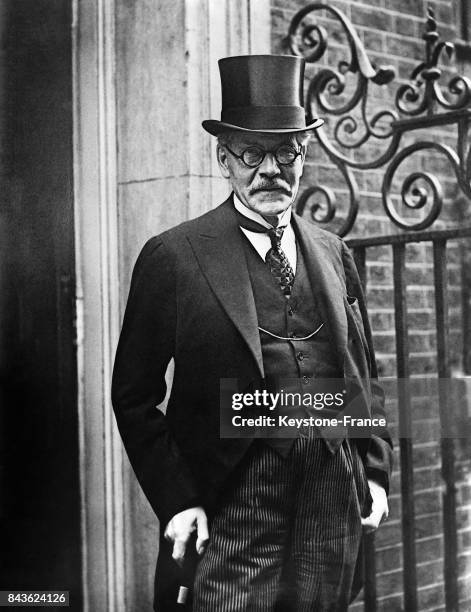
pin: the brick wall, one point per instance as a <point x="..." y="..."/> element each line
<point x="391" y="32"/>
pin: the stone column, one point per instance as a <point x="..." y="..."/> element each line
<point x="97" y="302"/>
<point x="168" y="82"/>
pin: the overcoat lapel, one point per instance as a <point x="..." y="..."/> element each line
<point x="329" y="295"/>
<point x="219" y="251"/>
<point x="326" y="284"/>
<point x="218" y="248"/>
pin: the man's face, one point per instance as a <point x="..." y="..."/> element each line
<point x="270" y="188"/>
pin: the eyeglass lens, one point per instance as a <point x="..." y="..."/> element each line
<point x="253" y="156"/>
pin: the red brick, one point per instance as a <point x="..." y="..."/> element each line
<point x="391" y="603"/>
<point x="358" y="605"/>
<point x="428" y="526"/>
<point x="427" y="478"/>
<point x="453" y="253"/>
<point x="419" y="274"/>
<point x="464" y="539"/>
<point x="394" y="506"/>
<point x="430" y="572"/>
<point x="381" y="320"/>
<point x="390" y="582"/>
<point x="418" y="252"/>
<point x="295" y="5"/>
<point x="422" y="342"/>
<point x="429" y="549"/>
<point x="464" y="564"/>
<point x="404" y="47"/>
<point x="427" y="501"/>
<point x="427" y="455"/>
<point x="386" y="365"/>
<point x="395" y="483"/>
<point x="371" y="181"/>
<point x="370" y="153"/>
<point x="379" y="274"/>
<point x="388" y="559"/>
<point x="424" y="404"/>
<point x="431" y="596"/>
<point x="421" y="318"/>
<point x="389" y="534"/>
<point x="368" y="227"/>
<point x="420" y="296"/>
<point x="443" y="13"/>
<point x="423" y="363"/>
<point x="289" y="5"/>
<point x="406" y="26"/>
<point x="464" y="494"/>
<point x="375" y="19"/>
<point x="385" y="342"/>
<point x="406" y="6"/>
<point x="463" y="516"/>
<point x="464" y="587"/>
<point x="426" y="432"/>
<point x="393" y="430"/>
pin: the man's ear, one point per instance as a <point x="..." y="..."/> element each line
<point x="222" y="161"/>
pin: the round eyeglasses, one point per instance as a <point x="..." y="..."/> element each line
<point x="254" y="156"/>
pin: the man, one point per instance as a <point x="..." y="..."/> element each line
<point x="250" y="292"/>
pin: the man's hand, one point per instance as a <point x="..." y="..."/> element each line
<point x="180" y="528"/>
<point x="379" y="508"/>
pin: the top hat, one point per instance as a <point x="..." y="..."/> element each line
<point x="262" y="93"/>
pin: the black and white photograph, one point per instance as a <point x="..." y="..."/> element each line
<point x="235" y="305"/>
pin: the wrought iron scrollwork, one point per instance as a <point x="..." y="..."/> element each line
<point x="422" y="103"/>
<point x="424" y="93"/>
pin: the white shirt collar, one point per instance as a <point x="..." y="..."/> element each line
<point x="261" y="241"/>
<point x="283" y="221"/>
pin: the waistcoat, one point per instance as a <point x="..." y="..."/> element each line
<point x="304" y="354"/>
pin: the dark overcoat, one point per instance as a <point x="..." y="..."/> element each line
<point x="191" y="300"/>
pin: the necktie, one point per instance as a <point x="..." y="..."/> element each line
<point x="278" y="262"/>
<point x="275" y="259"/>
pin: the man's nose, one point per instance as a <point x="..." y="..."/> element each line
<point x="269" y="165"/>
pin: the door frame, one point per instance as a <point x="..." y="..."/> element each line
<point x="97" y="302"/>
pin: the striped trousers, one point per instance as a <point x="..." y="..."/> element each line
<point x="287" y="533"/>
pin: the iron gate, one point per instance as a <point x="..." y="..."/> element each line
<point x="423" y="104"/>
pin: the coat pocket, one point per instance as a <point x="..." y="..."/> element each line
<point x="367" y="502"/>
<point x="361" y="481"/>
<point x="355" y="308"/>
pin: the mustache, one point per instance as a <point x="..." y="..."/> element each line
<point x="270" y="186"/>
